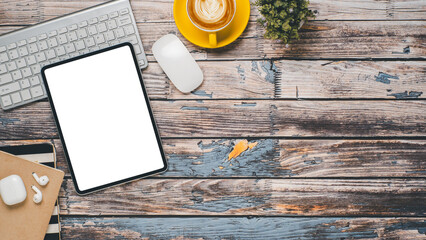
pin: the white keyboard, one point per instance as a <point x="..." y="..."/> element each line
<point x="24" y="52"/>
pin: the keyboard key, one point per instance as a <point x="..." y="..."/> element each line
<point x="52" y="42"/>
<point x="112" y="24"/>
<point x="103" y="45"/>
<point x="11" y="66"/>
<point x="23" y="51"/>
<point x="137" y="49"/>
<point x="90" y="42"/>
<point x="26" y="72"/>
<point x="119" y="33"/>
<point x="32" y="39"/>
<point x="25" y="83"/>
<point x="72" y="27"/>
<point x="113" y="15"/>
<point x="42" y="45"/>
<point x="70" y="48"/>
<point x="82" y="24"/>
<point x="36" y="68"/>
<point x="124" y="20"/>
<point x="36" y="91"/>
<point x="13" y="54"/>
<point x="109" y="36"/>
<point x="62" y="39"/>
<point x="22" y="43"/>
<point x="99" y="39"/>
<point x="9" y="88"/>
<point x="3" y="68"/>
<point x="35" y="80"/>
<point x="92" y="30"/>
<point x="124" y="11"/>
<point x="31" y="60"/>
<point x="6" y="78"/>
<point x="17" y="75"/>
<point x="79" y="45"/>
<point x="53" y="33"/>
<point x="93" y="20"/>
<point x="50" y="54"/>
<point x="21" y="63"/>
<point x="62" y="30"/>
<point x="72" y="36"/>
<point x="84" y="51"/>
<point x="26" y="94"/>
<point x="3" y="57"/>
<point x="6" y="100"/>
<point x="40" y="57"/>
<point x="115" y="42"/>
<point x="102" y="27"/>
<point x="132" y="39"/>
<point x="42" y="36"/>
<point x="129" y="29"/>
<point x="103" y="18"/>
<point x="16" y="97"/>
<point x="60" y="50"/>
<point x="82" y="33"/>
<point x="2" y="48"/>
<point x="33" y="48"/>
<point x="11" y="46"/>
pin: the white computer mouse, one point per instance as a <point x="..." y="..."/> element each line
<point x="177" y="63"/>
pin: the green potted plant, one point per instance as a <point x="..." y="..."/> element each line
<point x="282" y="19"/>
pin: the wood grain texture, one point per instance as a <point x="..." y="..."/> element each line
<point x="283" y="158"/>
<point x="273" y="197"/>
<point x="232" y="118"/>
<point x="242" y="228"/>
<point x="350" y="79"/>
<point x="319" y="40"/>
<point x="34" y="11"/>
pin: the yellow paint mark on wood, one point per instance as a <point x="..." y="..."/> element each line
<point x="240" y="147"/>
<point x="297" y="209"/>
<point x="220" y="167"/>
<point x="252" y="145"/>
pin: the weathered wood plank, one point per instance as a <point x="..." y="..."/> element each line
<point x="12" y="12"/>
<point x="242" y="228"/>
<point x="350" y="79"/>
<point x="284" y="158"/>
<point x="236" y="118"/>
<point x="273" y="197"/>
<point x="223" y="79"/>
<point x="319" y="40"/>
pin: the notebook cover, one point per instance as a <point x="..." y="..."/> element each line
<point x="43" y="153"/>
<point x="28" y="220"/>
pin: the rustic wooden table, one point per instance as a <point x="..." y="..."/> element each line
<point x="339" y="118"/>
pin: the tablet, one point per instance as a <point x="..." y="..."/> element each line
<point x="104" y="118"/>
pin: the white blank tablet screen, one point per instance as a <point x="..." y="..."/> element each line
<point x="104" y="119"/>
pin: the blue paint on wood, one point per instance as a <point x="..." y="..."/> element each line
<point x="406" y="95"/>
<point x="385" y="78"/>
<point x="194" y="108"/>
<point x="238" y="227"/>
<point x="262" y="160"/>
<point x="270" y="69"/>
<point x="241" y="72"/>
<point x="245" y="104"/>
<point x="227" y="203"/>
<point x="202" y="93"/>
<point x="6" y="121"/>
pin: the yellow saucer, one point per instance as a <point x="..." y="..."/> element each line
<point x="201" y="38"/>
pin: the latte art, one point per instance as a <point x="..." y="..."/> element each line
<point x="211" y="14"/>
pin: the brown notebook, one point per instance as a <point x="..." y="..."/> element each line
<point x="28" y="220"/>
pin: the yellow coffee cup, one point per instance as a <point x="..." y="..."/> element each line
<point x="211" y="16"/>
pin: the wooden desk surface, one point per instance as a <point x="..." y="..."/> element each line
<point x="339" y="118"/>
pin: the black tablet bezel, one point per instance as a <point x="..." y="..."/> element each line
<point x="146" y="102"/>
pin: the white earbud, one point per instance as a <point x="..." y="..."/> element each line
<point x="43" y="180"/>
<point x="38" y="196"/>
